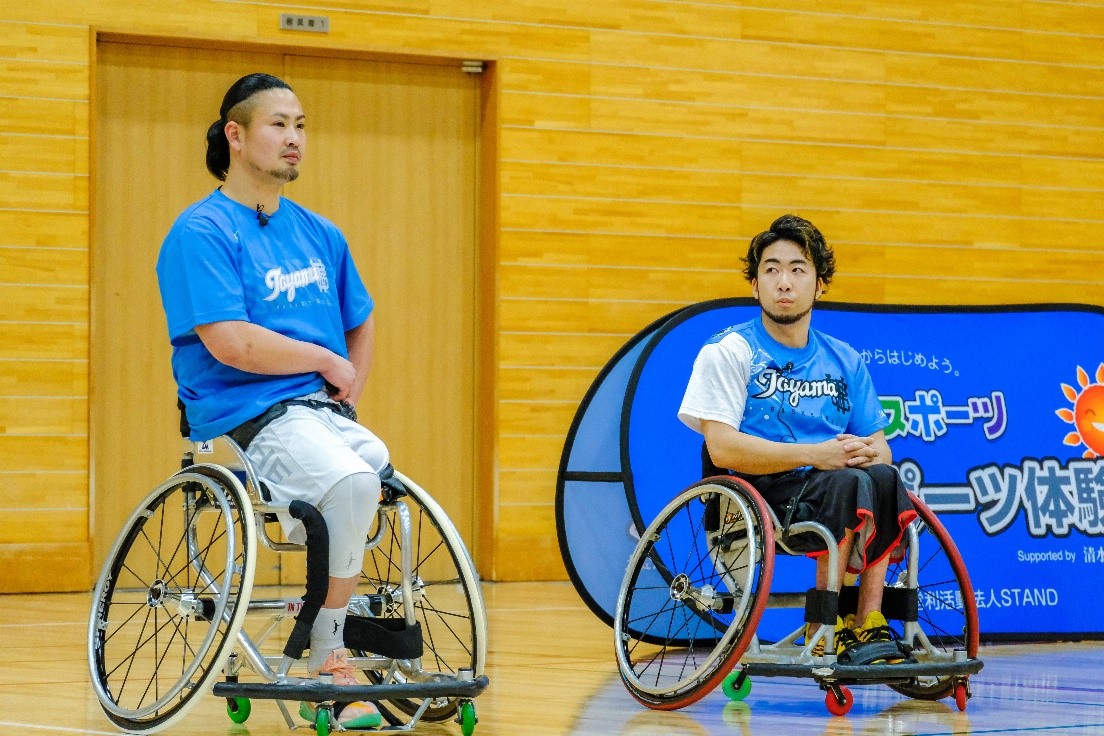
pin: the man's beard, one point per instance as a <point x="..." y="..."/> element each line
<point x="786" y="319"/>
<point x="289" y="174"/>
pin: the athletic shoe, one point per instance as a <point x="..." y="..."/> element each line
<point x="845" y="637"/>
<point x="357" y="714"/>
<point x="876" y="629"/>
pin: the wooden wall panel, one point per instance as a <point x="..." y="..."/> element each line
<point x="51" y="229"/>
<point x="44" y="265"/>
<point x="27" y="378"/>
<point x="43" y="303"/>
<point x="26" y="79"/>
<point x="45" y="154"/>
<point x="953" y="152"/>
<point x="44" y="341"/>
<point x="581" y="316"/>
<point x="60" y="416"/>
<point x="44" y="41"/>
<point x="520" y="246"/>
<point x="47" y="121"/>
<point x="34" y="191"/>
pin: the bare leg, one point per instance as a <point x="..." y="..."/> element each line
<point x="844" y="554"/>
<point x="341" y="590"/>
<point x="871" y="585"/>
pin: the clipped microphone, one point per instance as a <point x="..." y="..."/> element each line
<point x="262" y="218"/>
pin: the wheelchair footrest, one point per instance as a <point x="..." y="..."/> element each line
<point x="872" y="673"/>
<point x="316" y="692"/>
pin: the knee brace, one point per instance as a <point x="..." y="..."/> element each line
<point x="348" y="509"/>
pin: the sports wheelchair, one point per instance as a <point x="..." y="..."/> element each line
<point x="175" y="607"/>
<point x="700" y="578"/>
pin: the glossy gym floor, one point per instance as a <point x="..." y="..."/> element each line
<point x="552" y="671"/>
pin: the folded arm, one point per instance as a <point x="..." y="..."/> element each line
<point x="255" y="349"/>
<point x="744" y="453"/>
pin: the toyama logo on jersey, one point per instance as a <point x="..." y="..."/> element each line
<point x="287" y="283"/>
<point x="1055" y="497"/>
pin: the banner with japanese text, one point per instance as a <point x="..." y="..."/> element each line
<point x="996" y="420"/>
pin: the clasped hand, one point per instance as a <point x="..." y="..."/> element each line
<point x="846" y="451"/>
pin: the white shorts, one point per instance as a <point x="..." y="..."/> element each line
<point x="304" y="453"/>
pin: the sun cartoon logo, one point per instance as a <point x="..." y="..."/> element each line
<point x="1087" y="415"/>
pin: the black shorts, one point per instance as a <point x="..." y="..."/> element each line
<point x="872" y="502"/>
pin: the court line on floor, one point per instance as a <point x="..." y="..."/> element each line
<point x="38" y="725"/>
<point x="1019" y="729"/>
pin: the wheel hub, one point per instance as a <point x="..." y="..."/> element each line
<point x="680" y="587"/>
<point x="158" y="592"/>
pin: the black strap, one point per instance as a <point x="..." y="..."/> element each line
<point x="245" y="432"/>
<point x="791" y="507"/>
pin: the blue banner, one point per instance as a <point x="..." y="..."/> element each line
<point x="996" y="422"/>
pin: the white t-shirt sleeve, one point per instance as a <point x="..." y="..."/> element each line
<point x="717" y="390"/>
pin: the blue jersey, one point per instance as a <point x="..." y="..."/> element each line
<point x="743" y="377"/>
<point x="294" y="276"/>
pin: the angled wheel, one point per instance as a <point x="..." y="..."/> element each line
<point x="448" y="602"/>
<point x="693" y="594"/>
<point x="961" y="696"/>
<point x="736" y="685"/>
<point x="171" y="598"/>
<point x="947" y="617"/>
<point x="838" y="700"/>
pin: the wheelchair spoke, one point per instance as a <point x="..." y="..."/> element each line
<point x="673" y="640"/>
<point x="178" y="560"/>
<point x="129" y="661"/>
<point x="142" y="643"/>
<point x="443" y="595"/>
<point x="139" y="605"/>
<point x="190" y="565"/>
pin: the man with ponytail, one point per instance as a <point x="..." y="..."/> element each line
<point x="272" y="331"/>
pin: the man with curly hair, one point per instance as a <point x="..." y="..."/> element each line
<point x="794" y="411"/>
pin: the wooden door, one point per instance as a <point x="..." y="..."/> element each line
<point x="391" y="159"/>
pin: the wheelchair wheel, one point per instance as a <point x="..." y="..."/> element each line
<point x="448" y="602"/>
<point x="693" y="593"/>
<point x="947" y="617"/>
<point x="171" y="598"/>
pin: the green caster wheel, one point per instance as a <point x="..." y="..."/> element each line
<point x="467" y="718"/>
<point x="238" y="709"/>
<point x="322" y="722"/>
<point x="736" y="685"/>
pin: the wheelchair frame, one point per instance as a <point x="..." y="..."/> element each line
<point x="699" y="581"/>
<point x="168" y="611"/>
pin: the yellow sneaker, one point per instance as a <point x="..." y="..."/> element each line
<point x="845" y="637"/>
<point x="876" y="629"/>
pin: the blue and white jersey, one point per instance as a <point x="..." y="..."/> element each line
<point x="294" y="276"/>
<point x="746" y="379"/>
